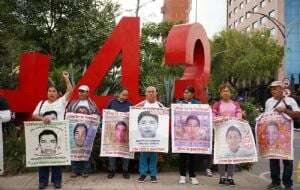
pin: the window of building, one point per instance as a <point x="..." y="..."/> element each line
<point x="241" y="5"/>
<point x="272" y="13"/>
<point x="273" y="32"/>
<point x="255" y="24"/>
<point x="230" y="14"/>
<point x="242" y="18"/>
<point x="263" y="20"/>
<point x="255" y="9"/>
<point x="235" y="10"/>
<point x="248" y="15"/>
<point x="236" y="23"/>
<point x="263" y="3"/>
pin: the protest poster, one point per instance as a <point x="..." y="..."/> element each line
<point x="191" y="128"/>
<point x="148" y="129"/>
<point x="83" y="129"/>
<point x="47" y="144"/>
<point x="274" y="134"/>
<point x="234" y="142"/>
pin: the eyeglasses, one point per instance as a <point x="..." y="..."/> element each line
<point x="83" y="91"/>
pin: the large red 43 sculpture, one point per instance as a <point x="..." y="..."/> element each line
<point x="186" y="44"/>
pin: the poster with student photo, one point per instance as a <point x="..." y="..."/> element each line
<point x="83" y="129"/>
<point x="234" y="142"/>
<point x="148" y="129"/>
<point x="274" y="134"/>
<point x="191" y="128"/>
<point x="47" y="144"/>
<point x="115" y="135"/>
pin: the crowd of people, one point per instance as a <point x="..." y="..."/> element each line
<point x="55" y="108"/>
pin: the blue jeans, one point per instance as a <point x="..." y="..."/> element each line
<point x="80" y="167"/>
<point x="113" y="164"/>
<point x="144" y="167"/>
<point x="56" y="173"/>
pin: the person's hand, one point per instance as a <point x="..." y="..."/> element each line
<point x="66" y="75"/>
<point x="280" y="109"/>
<point x="46" y="120"/>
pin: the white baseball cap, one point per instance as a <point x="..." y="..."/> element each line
<point x="84" y="87"/>
<point x="276" y="83"/>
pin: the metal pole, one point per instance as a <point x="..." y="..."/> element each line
<point x="137" y="8"/>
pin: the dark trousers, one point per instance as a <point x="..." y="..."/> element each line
<point x="187" y="161"/>
<point x="80" y="167"/>
<point x="56" y="173"/>
<point x="287" y="172"/>
<point x="207" y="160"/>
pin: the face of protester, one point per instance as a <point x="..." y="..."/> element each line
<point x="277" y="92"/>
<point x="51" y="116"/>
<point x="79" y="136"/>
<point x="233" y="140"/>
<point x="48" y="144"/>
<point x="148" y="126"/>
<point x="82" y="110"/>
<point x="225" y="94"/>
<point x="272" y="134"/>
<point x="192" y="129"/>
<point x="151" y="95"/>
<point x="52" y="94"/>
<point x="187" y="95"/>
<point x="123" y="96"/>
<point x="83" y="95"/>
<point x="120" y="133"/>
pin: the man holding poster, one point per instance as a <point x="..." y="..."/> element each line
<point x="115" y="133"/>
<point x="83" y="130"/>
<point x="287" y="105"/>
<point x="149" y="132"/>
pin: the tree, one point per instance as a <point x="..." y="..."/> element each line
<point x="71" y="31"/>
<point x="239" y="56"/>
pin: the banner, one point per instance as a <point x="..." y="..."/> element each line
<point x="149" y="129"/>
<point x="115" y="133"/>
<point x="83" y="129"/>
<point x="1" y="151"/>
<point x="191" y="128"/>
<point x="47" y="144"/>
<point x="274" y="134"/>
<point x="234" y="142"/>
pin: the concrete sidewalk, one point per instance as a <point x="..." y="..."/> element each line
<point x="167" y="180"/>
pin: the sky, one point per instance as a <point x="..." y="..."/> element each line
<point x="211" y="13"/>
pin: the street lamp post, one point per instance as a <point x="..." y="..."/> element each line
<point x="138" y="6"/>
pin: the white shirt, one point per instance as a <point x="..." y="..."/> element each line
<point x="57" y="106"/>
<point x="271" y="102"/>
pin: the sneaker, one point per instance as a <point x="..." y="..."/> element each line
<point x="110" y="175"/>
<point x="222" y="181"/>
<point x="42" y="186"/>
<point x="288" y="188"/>
<point x="142" y="179"/>
<point x="182" y="180"/>
<point x="209" y="173"/>
<point x="85" y="175"/>
<point x="274" y="186"/>
<point x="153" y="179"/>
<point x="73" y="175"/>
<point x="126" y="175"/>
<point x="230" y="182"/>
<point x="194" y="181"/>
<point x="57" y="185"/>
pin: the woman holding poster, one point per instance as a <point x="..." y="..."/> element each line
<point x="120" y="104"/>
<point x="190" y="131"/>
<point x="47" y="110"/>
<point x="228" y="108"/>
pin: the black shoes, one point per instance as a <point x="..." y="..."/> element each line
<point x="126" y="175"/>
<point x="230" y="182"/>
<point x="111" y="175"/>
<point x="42" y="186"/>
<point x="225" y="181"/>
<point x="57" y="186"/>
<point x="222" y="181"/>
<point x="274" y="186"/>
<point x="153" y="179"/>
<point x="142" y="179"/>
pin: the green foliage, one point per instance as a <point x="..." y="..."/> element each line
<point x="238" y="56"/>
<point x="252" y="112"/>
<point x="71" y="31"/>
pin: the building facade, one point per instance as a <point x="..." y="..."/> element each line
<point x="176" y="10"/>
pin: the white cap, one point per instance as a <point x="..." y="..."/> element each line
<point x="84" y="87"/>
<point x="276" y="83"/>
